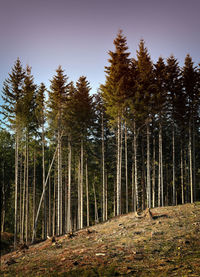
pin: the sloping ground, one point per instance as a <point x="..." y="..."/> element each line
<point x="165" y="242"/>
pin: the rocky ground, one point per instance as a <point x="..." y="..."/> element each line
<point x="162" y="242"/>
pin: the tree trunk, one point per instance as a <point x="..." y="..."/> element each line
<point x="96" y="218"/>
<point x="49" y="229"/>
<point x="154" y="173"/>
<point x="126" y="166"/>
<point x="182" y="180"/>
<point x="81" y="187"/>
<point x="27" y="189"/>
<point x="118" y="167"/>
<point x="43" y="183"/>
<point x="3" y="198"/>
<point x="135" y="163"/>
<point x="24" y="194"/>
<point x="54" y="205"/>
<point x="173" y="154"/>
<point x="161" y="166"/>
<point x="79" y="194"/>
<point x="34" y="182"/>
<point x="69" y="223"/>
<point x="103" y="167"/>
<point x="148" y="168"/>
<point x="194" y="160"/>
<point x="87" y="195"/>
<point x="16" y="185"/>
<point x="190" y="163"/>
<point x="43" y="192"/>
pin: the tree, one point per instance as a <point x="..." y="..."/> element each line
<point x="189" y="79"/>
<point x="58" y="95"/>
<point x="12" y="111"/>
<point x="115" y="93"/>
<point x="145" y="90"/>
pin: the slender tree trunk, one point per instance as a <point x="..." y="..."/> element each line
<point x="49" y="229"/>
<point x="182" y="180"/>
<point x="43" y="183"/>
<point x="135" y="163"/>
<point x="154" y="173"/>
<point x="87" y="194"/>
<point x="24" y="194"/>
<point x="59" y="186"/>
<point x="95" y="206"/>
<point x="79" y="194"/>
<point x="143" y="177"/>
<point x="148" y="168"/>
<point x="106" y="194"/>
<point x="81" y="187"/>
<point x="194" y="161"/>
<point x="114" y="200"/>
<point x="27" y="189"/>
<point x="34" y="182"/>
<point x="173" y="154"/>
<point x="126" y="166"/>
<point x="16" y="185"/>
<point x="161" y="165"/>
<point x="103" y="167"/>
<point x="21" y="193"/>
<point x="42" y="196"/>
<point x="3" y="198"/>
<point x="69" y="223"/>
<point x="118" y="167"/>
<point x="61" y="192"/>
<point x="190" y="163"/>
<point x="54" y="205"/>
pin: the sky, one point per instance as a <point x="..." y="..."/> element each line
<point x="77" y="34"/>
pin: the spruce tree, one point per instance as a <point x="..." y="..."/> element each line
<point x="115" y="93"/>
<point x="12" y="111"/>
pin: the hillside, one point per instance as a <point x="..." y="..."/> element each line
<point x="164" y="242"/>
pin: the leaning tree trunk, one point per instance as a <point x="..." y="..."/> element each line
<point x="34" y="182"/>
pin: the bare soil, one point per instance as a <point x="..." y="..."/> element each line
<point x="160" y="242"/>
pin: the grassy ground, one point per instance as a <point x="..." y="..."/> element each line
<point x="164" y="244"/>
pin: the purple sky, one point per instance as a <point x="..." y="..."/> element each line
<point x="77" y="34"/>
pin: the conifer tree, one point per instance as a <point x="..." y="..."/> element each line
<point x="146" y="92"/>
<point x="173" y="87"/>
<point x="189" y="79"/>
<point x="12" y="111"/>
<point x="58" y="95"/>
<point x="115" y="93"/>
<point x="160" y="81"/>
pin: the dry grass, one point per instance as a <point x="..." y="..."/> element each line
<point x="165" y="242"/>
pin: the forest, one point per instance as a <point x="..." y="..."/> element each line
<point x="71" y="159"/>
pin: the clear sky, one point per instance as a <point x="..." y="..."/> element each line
<point x="77" y="34"/>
